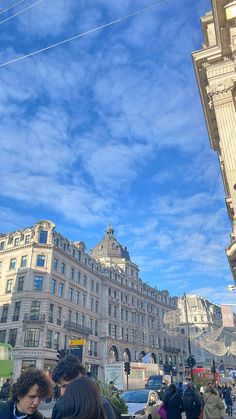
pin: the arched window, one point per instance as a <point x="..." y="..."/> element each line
<point x="126" y="355"/>
<point x="113" y="354"/>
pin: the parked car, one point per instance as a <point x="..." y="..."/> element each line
<point x="142" y="404"/>
<point x="154" y="382"/>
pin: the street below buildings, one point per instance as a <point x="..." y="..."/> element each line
<point x="46" y="410"/>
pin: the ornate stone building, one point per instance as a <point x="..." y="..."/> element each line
<point x="207" y="336"/>
<point x="51" y="290"/>
<point x="215" y="67"/>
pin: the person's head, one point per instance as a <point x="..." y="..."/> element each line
<point x="82" y="400"/>
<point x="29" y="389"/>
<point x="211" y="389"/>
<point x="67" y="369"/>
<point x="190" y="385"/>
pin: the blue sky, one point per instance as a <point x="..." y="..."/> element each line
<point x="109" y="129"/>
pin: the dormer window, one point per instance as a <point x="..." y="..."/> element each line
<point x="43" y="236"/>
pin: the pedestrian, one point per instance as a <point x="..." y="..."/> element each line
<point x="192" y="402"/>
<point x="213" y="405"/>
<point x="227" y="396"/>
<point x="82" y="400"/>
<point x="28" y="391"/>
<point x="5" y="392"/>
<point x="164" y="388"/>
<point x="173" y="403"/>
<point x="67" y="370"/>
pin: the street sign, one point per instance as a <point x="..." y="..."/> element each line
<point x="78" y="351"/>
<point x="191" y="362"/>
<point x="77" y="342"/>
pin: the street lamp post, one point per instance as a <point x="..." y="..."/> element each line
<point x="188" y="337"/>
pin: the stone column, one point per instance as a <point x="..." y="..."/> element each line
<point x="222" y="100"/>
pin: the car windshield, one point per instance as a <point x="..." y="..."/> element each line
<point x="138" y="396"/>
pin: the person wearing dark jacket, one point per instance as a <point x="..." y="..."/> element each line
<point x="227" y="395"/>
<point x="173" y="403"/>
<point x="31" y="387"/>
<point x="67" y="370"/>
<point x="5" y="390"/>
<point x="192" y="402"/>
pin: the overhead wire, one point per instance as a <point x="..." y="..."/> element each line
<point x="96" y="29"/>
<point x="11" y="7"/>
<point x="20" y="12"/>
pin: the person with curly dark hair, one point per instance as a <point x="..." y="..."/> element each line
<point x="28" y="391"/>
<point x="82" y="400"/>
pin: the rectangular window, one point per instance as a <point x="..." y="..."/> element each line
<point x="92" y="285"/>
<point x="32" y="338"/>
<point x="61" y="289"/>
<point x="20" y="285"/>
<point x="12" y="263"/>
<point x="83" y="300"/>
<point x="35" y="310"/>
<point x="56" y="342"/>
<point x="91" y="304"/>
<point x="49" y="339"/>
<point x="77" y="297"/>
<point x="43" y="236"/>
<point x="2" y="245"/>
<point x="63" y="268"/>
<point x="70" y="294"/>
<point x="3" y="336"/>
<point x="4" y="313"/>
<point x="96" y="306"/>
<point x="38" y="283"/>
<point x="23" y="261"/>
<point x="85" y="280"/>
<point x="95" y="349"/>
<point x="17" y="241"/>
<point x="72" y="273"/>
<point x="55" y="264"/>
<point x="12" y="337"/>
<point x="78" y="277"/>
<point x="16" y="314"/>
<point x="27" y="239"/>
<point x="9" y="286"/>
<point x="97" y="288"/>
<point x="76" y="318"/>
<point x="91" y="326"/>
<point x="51" y="310"/>
<point x="59" y="315"/>
<point x="53" y="286"/>
<point x="82" y="320"/>
<point x="96" y="328"/>
<point x="69" y="316"/>
<point x="40" y="260"/>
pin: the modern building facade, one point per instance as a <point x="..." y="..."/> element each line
<point x="207" y="335"/>
<point x="215" y="67"/>
<point x="52" y="291"/>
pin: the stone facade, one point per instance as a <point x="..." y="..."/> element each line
<point x="205" y="318"/>
<point x="215" y="67"/>
<point x="51" y="290"/>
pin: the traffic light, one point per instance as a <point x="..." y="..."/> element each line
<point x="213" y="368"/>
<point x="127" y="368"/>
<point x="61" y="353"/>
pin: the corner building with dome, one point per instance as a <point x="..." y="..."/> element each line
<point x="52" y="291"/>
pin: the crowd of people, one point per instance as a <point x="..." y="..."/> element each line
<point x="211" y="402"/>
<point x="77" y="396"/>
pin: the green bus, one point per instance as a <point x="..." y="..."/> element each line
<point x="6" y="361"/>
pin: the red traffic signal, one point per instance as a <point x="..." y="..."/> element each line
<point x="127" y="368"/>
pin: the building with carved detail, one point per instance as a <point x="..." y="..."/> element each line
<point x="215" y="67"/>
<point x="208" y="338"/>
<point x="51" y="290"/>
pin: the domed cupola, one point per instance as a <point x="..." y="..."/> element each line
<point x="109" y="247"/>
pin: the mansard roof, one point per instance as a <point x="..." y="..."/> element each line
<point x="109" y="247"/>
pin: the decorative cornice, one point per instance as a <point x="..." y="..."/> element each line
<point x="220" y="91"/>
